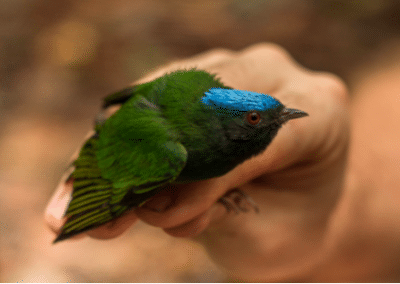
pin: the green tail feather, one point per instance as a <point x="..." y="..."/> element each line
<point x="90" y="206"/>
<point x="94" y="200"/>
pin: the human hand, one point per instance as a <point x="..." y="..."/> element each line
<point x="296" y="182"/>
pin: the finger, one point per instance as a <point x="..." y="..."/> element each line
<point x="186" y="203"/>
<point x="204" y="60"/>
<point x="259" y="68"/>
<point x="307" y="140"/>
<point x="54" y="216"/>
<point x="114" y="228"/>
<point x="197" y="225"/>
<point x="55" y="210"/>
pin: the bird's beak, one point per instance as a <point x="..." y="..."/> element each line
<point x="290" y="113"/>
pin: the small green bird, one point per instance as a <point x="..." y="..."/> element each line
<point x="183" y="127"/>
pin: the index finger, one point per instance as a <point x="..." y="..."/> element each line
<point x="325" y="132"/>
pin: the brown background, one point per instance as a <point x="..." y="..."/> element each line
<point x="59" y="58"/>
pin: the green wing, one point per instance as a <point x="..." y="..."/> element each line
<point x="131" y="157"/>
<point x="125" y="94"/>
<point x="137" y="146"/>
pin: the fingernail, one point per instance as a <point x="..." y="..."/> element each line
<point x="59" y="202"/>
<point x="158" y="203"/>
<point x="60" y="205"/>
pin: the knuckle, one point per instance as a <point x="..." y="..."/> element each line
<point x="335" y="86"/>
<point x="265" y="50"/>
<point x="203" y="60"/>
<point x="221" y="53"/>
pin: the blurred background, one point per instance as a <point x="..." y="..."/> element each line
<point x="58" y="59"/>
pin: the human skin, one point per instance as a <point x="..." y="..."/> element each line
<point x="320" y="217"/>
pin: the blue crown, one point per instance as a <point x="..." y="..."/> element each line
<point x="238" y="100"/>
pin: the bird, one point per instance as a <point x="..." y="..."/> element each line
<point x="182" y="127"/>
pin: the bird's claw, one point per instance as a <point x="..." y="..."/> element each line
<point x="237" y="201"/>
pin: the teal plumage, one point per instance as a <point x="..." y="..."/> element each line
<point x="182" y="127"/>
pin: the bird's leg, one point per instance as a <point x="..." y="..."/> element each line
<point x="233" y="201"/>
<point x="100" y="119"/>
<point x="228" y="205"/>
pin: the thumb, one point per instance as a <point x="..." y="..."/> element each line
<point x="319" y="139"/>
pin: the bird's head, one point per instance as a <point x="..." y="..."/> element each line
<point x="247" y="115"/>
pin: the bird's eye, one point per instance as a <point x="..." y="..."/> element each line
<point x="253" y="118"/>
